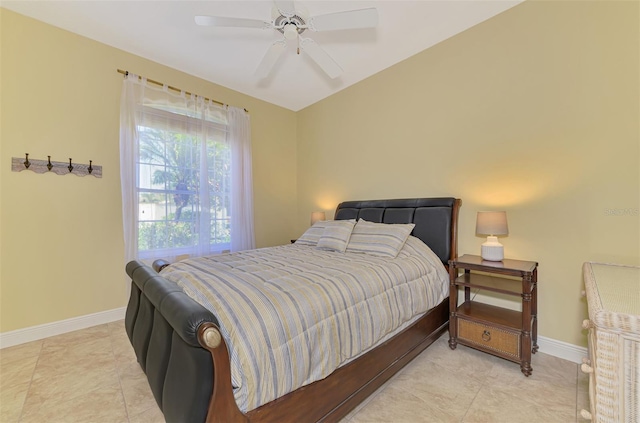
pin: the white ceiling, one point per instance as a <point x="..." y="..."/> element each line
<point x="165" y="32"/>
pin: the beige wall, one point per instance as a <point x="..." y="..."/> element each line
<point x="534" y="112"/>
<point x="62" y="252"/>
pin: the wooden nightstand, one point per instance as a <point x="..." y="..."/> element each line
<point x="509" y="334"/>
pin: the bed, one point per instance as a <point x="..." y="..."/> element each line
<point x="181" y="348"/>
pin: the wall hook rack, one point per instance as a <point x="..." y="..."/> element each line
<point x="59" y="168"/>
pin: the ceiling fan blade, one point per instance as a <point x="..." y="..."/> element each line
<point x="321" y="57"/>
<point x="352" y="19"/>
<point x="270" y="58"/>
<point x="287" y="8"/>
<point x="231" y="22"/>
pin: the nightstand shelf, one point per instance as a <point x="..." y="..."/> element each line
<point x="496" y="330"/>
<point x="491" y="315"/>
<point x="489" y="283"/>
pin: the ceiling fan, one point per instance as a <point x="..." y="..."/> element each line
<point x="292" y="22"/>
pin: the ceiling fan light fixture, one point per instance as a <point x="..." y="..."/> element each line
<point x="290" y="31"/>
<point x="293" y="22"/>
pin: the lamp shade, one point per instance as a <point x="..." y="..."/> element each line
<point x="492" y="223"/>
<point x="317" y="216"/>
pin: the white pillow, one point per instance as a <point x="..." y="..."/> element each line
<point x="379" y="239"/>
<point x="312" y="235"/>
<point x="336" y="235"/>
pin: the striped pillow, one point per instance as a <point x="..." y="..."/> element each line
<point x="313" y="234"/>
<point x="336" y="235"/>
<point x="379" y="239"/>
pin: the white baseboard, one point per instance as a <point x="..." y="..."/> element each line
<point x="562" y="350"/>
<point x="34" y="333"/>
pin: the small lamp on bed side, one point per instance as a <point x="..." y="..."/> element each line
<point x="317" y="216"/>
<point x="492" y="223"/>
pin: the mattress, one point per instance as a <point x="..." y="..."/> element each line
<point x="613" y="297"/>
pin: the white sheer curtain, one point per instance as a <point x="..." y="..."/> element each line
<point x="185" y="168"/>
<point x="239" y="136"/>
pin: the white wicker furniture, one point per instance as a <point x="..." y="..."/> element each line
<point x="613" y="297"/>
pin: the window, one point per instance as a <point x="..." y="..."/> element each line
<point x="183" y="187"/>
<point x="185" y="166"/>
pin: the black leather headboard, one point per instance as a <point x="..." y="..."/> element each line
<point x="436" y="219"/>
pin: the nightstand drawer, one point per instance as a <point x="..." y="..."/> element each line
<point x="503" y="342"/>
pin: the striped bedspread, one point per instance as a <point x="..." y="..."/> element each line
<point x="293" y="314"/>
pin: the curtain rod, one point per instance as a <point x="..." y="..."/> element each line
<point x="173" y="88"/>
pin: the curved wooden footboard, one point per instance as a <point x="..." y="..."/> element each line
<point x="222" y="406"/>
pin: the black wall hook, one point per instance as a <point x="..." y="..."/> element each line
<point x="27" y="163"/>
<point x="90" y="169"/>
<point x="49" y="165"/>
<point x="70" y="167"/>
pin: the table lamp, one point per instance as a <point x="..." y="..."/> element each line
<point x="492" y="224"/>
<point x="317" y="216"/>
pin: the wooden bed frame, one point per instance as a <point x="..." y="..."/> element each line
<point x="179" y="346"/>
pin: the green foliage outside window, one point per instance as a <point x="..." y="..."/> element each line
<point x="171" y="193"/>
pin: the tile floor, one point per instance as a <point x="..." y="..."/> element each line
<point x="92" y="376"/>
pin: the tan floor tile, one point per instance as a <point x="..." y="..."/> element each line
<point x="128" y="369"/>
<point x="11" y="401"/>
<point x="152" y="415"/>
<point x="120" y="336"/>
<point x="363" y="404"/>
<point x="451" y="392"/>
<point x="553" y="368"/>
<point x="122" y="349"/>
<point x="137" y="393"/>
<point x="552" y="385"/>
<point x="103" y="405"/>
<point x="396" y="405"/>
<point x="59" y="364"/>
<point x="495" y="405"/>
<point x="63" y="384"/>
<point x="116" y="327"/>
<point x="17" y="371"/>
<point x="79" y="349"/>
<point x="471" y="362"/>
<point x="128" y="366"/>
<point x="124" y="365"/>
<point x="78" y="337"/>
<point x="19" y="352"/>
